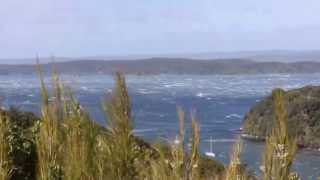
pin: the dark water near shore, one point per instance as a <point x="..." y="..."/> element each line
<point x="219" y="101"/>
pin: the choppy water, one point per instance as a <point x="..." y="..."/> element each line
<point x="220" y="102"/>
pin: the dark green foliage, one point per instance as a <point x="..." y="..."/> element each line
<point x="209" y="168"/>
<point x="21" y="142"/>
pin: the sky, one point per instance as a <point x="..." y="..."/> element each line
<point x="82" y="28"/>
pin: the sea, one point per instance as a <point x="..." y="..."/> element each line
<point x="219" y="101"/>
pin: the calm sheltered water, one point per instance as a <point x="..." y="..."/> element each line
<point x="220" y="102"/>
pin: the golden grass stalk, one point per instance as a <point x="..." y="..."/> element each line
<point x="120" y="150"/>
<point x="49" y="138"/>
<point x="67" y="139"/>
<point x="194" y="153"/>
<point x="160" y="168"/>
<point x="5" y="162"/>
<point x="234" y="170"/>
<point x="79" y="144"/>
<point x="280" y="147"/>
<point x="177" y="147"/>
<point x="174" y="162"/>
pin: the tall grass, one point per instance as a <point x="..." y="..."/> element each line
<point x="280" y="147"/>
<point x="49" y="138"/>
<point x="234" y="170"/>
<point x="194" y="155"/>
<point x="80" y="143"/>
<point x="120" y="150"/>
<point x="5" y="162"/>
<point x="176" y="162"/>
<point x="67" y="138"/>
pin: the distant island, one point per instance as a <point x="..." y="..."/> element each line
<point x="303" y="107"/>
<point x="155" y="66"/>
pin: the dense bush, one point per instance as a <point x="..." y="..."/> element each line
<point x="303" y="109"/>
<point x="21" y="139"/>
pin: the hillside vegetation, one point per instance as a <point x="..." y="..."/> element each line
<point x="303" y="107"/>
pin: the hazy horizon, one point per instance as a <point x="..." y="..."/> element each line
<point x="258" y="56"/>
<point x="125" y="28"/>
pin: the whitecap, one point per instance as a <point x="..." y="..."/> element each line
<point x="220" y="140"/>
<point x="201" y="94"/>
<point x="143" y="130"/>
<point x="233" y="116"/>
<point x="171" y="85"/>
<point x="145" y="91"/>
<point x="84" y="88"/>
<point x="27" y="102"/>
<point x="219" y="122"/>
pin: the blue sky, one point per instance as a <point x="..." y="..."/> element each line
<point x="75" y="28"/>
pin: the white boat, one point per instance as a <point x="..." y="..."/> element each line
<point x="210" y="153"/>
<point x="176" y="140"/>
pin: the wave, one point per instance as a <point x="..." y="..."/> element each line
<point x="234" y="116"/>
<point x="143" y="130"/>
<point x="220" y="140"/>
<point x="145" y="91"/>
<point x="201" y="95"/>
<point x="84" y="88"/>
<point x="28" y="102"/>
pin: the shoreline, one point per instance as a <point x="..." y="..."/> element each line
<point x="254" y="138"/>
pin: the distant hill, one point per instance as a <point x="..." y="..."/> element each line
<point x="263" y="56"/>
<point x="168" y="66"/>
<point x="259" y="56"/>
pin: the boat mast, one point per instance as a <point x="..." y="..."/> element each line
<point x="211" y="141"/>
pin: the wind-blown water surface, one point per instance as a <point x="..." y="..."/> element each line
<point x="220" y="102"/>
